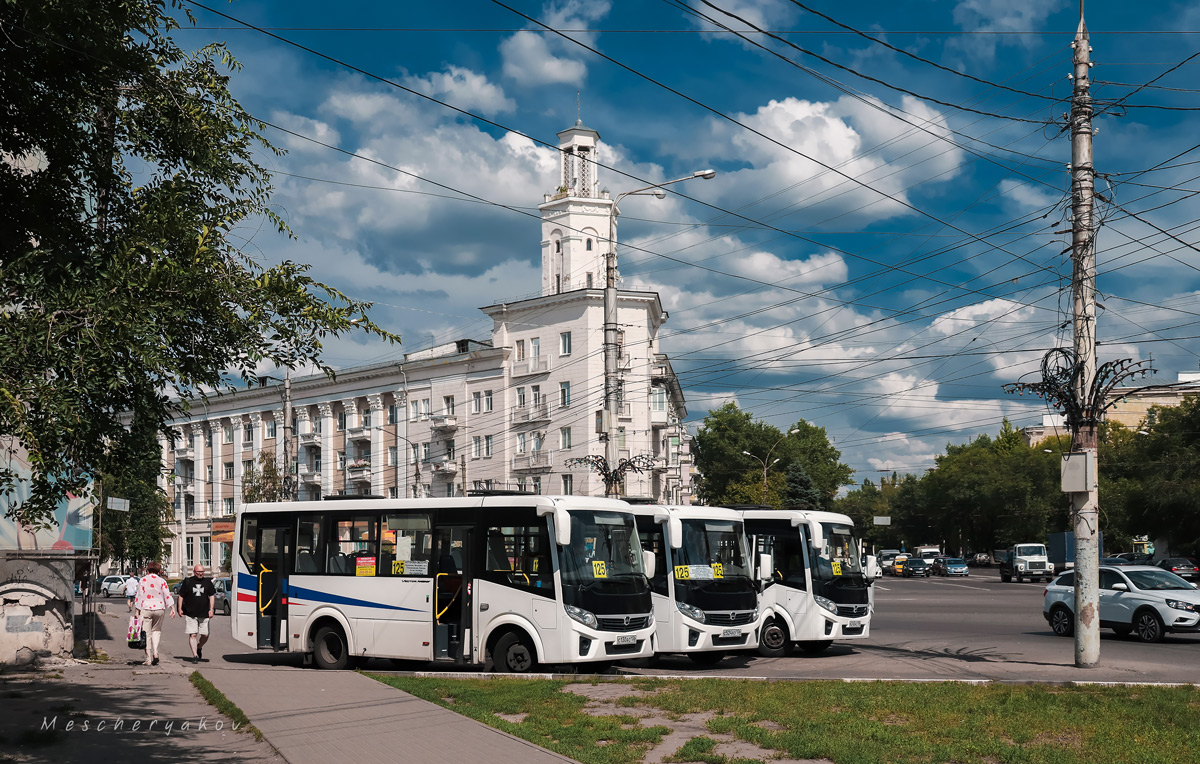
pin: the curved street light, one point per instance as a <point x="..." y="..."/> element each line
<point x="767" y="465"/>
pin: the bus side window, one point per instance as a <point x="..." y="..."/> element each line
<point x="405" y="544"/>
<point x="309" y="541"/>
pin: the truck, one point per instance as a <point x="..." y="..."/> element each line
<point x="1062" y="549"/>
<point x="928" y="552"/>
<point x="1027" y="560"/>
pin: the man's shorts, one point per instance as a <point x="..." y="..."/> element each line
<point x="195" y="626"/>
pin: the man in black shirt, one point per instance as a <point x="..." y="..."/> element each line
<point x="197" y="599"/>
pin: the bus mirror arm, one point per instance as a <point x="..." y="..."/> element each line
<point x="648" y="562"/>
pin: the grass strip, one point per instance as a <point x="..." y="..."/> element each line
<point x="217" y="699"/>
<point x="847" y="723"/>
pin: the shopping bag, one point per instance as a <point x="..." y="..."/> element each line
<point x="136" y="637"/>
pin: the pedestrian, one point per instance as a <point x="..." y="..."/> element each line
<point x="153" y="602"/>
<point x="131" y="590"/>
<point x="197" y="602"/>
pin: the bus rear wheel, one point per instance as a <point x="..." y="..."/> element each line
<point x="513" y="654"/>
<point x="330" y="650"/>
<point x="816" y="647"/>
<point x="774" y="641"/>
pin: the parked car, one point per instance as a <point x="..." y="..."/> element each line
<point x="222" y="601"/>
<point x="916" y="568"/>
<point x="1134" y="599"/>
<point x="1114" y="561"/>
<point x="1182" y="567"/>
<point x="982" y="559"/>
<point x="113" y="586"/>
<point x="952" y="566"/>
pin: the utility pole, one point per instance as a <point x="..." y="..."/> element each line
<point x="290" y="483"/>
<point x="1084" y="505"/>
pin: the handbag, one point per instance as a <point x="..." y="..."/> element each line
<point x="136" y="637"/>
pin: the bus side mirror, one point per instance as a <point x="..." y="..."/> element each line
<point x="648" y="562"/>
<point x="872" y="566"/>
<point x="562" y="522"/>
<point x="675" y="531"/>
<point x="766" y="567"/>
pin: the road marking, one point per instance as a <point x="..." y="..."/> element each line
<point x="963" y="586"/>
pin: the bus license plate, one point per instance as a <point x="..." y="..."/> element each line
<point x="854" y="624"/>
<point x="725" y="633"/>
<point x="626" y="639"/>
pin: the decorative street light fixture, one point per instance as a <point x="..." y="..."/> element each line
<point x="767" y="465"/>
<point x="610" y="322"/>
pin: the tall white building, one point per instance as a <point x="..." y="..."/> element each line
<point x="503" y="413"/>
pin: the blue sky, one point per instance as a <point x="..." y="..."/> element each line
<point x="886" y="299"/>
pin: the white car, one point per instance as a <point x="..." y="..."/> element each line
<point x="1134" y="599"/>
<point x="113" y="586"/>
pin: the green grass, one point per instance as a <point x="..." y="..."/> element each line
<point x="217" y="699"/>
<point x="849" y="723"/>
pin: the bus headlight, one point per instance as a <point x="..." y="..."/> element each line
<point x="691" y="611"/>
<point x="586" y="617"/>
<point x="826" y="603"/>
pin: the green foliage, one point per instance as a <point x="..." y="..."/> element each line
<point x="799" y="491"/>
<point x="135" y="537"/>
<point x="266" y="482"/>
<point x="126" y="172"/>
<point x="728" y="432"/>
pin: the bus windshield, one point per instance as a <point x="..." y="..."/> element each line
<point x="839" y="556"/>
<point x="604" y="547"/>
<point x="712" y="549"/>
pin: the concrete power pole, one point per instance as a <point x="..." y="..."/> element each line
<point x="290" y="481"/>
<point x="1084" y="505"/>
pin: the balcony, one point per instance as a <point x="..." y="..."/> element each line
<point x="531" y="412"/>
<point x="312" y="439"/>
<point x="358" y="467"/>
<point x="538" y="365"/>
<point x="534" y="461"/>
<point x="185" y="453"/>
<point x="358" y="433"/>
<point x="185" y="486"/>
<point x="444" y="467"/>
<point x="309" y="475"/>
<point x="659" y="418"/>
<point x="444" y="423"/>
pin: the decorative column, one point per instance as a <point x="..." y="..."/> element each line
<point x="378" y="462"/>
<point x="400" y="397"/>
<point x="328" y="455"/>
<point x="236" y="488"/>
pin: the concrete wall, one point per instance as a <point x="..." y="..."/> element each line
<point x="36" y="609"/>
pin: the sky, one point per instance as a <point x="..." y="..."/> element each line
<point x="881" y="250"/>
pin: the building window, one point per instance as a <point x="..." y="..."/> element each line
<point x="589" y="280"/>
<point x="424" y="452"/>
<point x="520" y="397"/>
<point x="476" y="402"/>
<point x="620" y="437"/>
<point x="537" y="485"/>
<point x="270" y="428"/>
<point x="537" y="442"/>
<point x="520" y="350"/>
<point x="393" y="492"/>
<point x="393" y="414"/>
<point x="205" y="548"/>
<point x="564" y="394"/>
<point x="568" y="484"/>
<point x="414" y="410"/>
<point x="248" y="433"/>
<point x="208" y="473"/>
<point x="448" y="405"/>
<point x="341" y="463"/>
<point x="450" y="449"/>
<point x="520" y="442"/>
<point x="416" y="452"/>
<point x="522" y="486"/>
<point x="227" y="434"/>
<point x="208" y="438"/>
<point x="366" y="419"/>
<point x="228" y="470"/>
<point x="557" y="247"/>
<point x="564" y="343"/>
<point x="658" y="399"/>
<point x="319" y="425"/>
<point x="564" y="437"/>
<point x="588" y="245"/>
<point x="487" y="445"/>
<point x="476" y="447"/>
<point x="673" y="451"/>
<point x="487" y="400"/>
<point x="391" y="456"/>
<point x="536" y="390"/>
<point x="535" y="347"/>
<point x="227" y="505"/>
<point x="426" y="408"/>
<point x="247" y="466"/>
<point x="208" y="507"/>
<point x="341" y="421"/>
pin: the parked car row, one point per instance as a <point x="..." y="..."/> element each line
<point x="114" y="586"/>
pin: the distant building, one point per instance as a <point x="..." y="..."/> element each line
<point x="504" y="412"/>
<point x="1052" y="426"/>
<point x="1130" y="409"/>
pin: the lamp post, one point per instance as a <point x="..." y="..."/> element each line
<point x="768" y="464"/>
<point x="610" y="319"/>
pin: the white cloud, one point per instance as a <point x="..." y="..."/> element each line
<point x="541" y="58"/>
<point x="1027" y="197"/>
<point x="464" y="88"/>
<point x="999" y="16"/>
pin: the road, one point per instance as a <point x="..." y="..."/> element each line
<point x="976" y="628"/>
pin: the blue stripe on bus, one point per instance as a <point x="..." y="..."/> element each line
<point x="250" y="583"/>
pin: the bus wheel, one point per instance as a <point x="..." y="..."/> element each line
<point x="774" y="640"/>
<point x="708" y="658"/>
<point x="512" y="655"/>
<point x="330" y="650"/>
<point x="816" y="647"/>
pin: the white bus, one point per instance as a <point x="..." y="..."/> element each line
<point x="512" y="580"/>
<point x="704" y="591"/>
<point x="817" y="591"/>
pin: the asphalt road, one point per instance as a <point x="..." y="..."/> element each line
<point x="976" y="628"/>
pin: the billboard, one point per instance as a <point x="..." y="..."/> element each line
<point x="72" y="531"/>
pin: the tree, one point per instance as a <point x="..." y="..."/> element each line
<point x="126" y="170"/>
<point x="265" y="482"/>
<point x="728" y="432"/>
<point x="800" y="493"/>
<point x="135" y="537"/>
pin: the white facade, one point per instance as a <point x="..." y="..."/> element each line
<point x="503" y="413"/>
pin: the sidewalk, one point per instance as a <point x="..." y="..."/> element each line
<point x="314" y="717"/>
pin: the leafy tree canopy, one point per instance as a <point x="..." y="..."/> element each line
<point x="126" y="171"/>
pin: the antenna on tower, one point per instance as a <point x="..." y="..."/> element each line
<point x="578" y="110"/>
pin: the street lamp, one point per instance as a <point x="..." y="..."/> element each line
<point x="767" y="465"/>
<point x="610" y="317"/>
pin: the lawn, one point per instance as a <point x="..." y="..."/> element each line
<point x="733" y="721"/>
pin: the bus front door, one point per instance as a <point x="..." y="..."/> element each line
<point x="452" y="594"/>
<point x="272" y="558"/>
